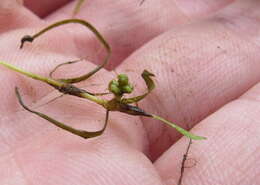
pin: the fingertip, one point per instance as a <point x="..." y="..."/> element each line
<point x="44" y="8"/>
<point x="14" y="15"/>
<point x="233" y="135"/>
<point x="201" y="8"/>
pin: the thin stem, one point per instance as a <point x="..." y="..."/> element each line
<point x="77" y="7"/>
<point x="29" y="38"/>
<point x="50" y="101"/>
<point x="179" y="129"/>
<point x="68" y="21"/>
<point x="146" y="75"/>
<point x="94" y="99"/>
<point x="32" y="75"/>
<point x="62" y="87"/>
<point x="62" y="64"/>
<point x="81" y="133"/>
<point x="185" y="156"/>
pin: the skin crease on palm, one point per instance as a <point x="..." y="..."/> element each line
<point x="206" y="59"/>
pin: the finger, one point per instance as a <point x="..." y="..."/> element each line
<point x="41" y="150"/>
<point x="229" y="154"/>
<point x="127" y="26"/>
<point x="116" y="153"/>
<point x="41" y="61"/>
<point x="52" y="42"/>
<point x="108" y="159"/>
<point x="199" y="68"/>
<point x="37" y="58"/>
<point x="13" y="15"/>
<point x="44" y="8"/>
<point x="80" y="163"/>
<point x="201" y="8"/>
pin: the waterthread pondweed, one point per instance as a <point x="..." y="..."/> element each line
<point x="118" y="87"/>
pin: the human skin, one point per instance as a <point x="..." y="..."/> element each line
<point x="207" y="65"/>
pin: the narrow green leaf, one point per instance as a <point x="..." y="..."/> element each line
<point x="179" y="129"/>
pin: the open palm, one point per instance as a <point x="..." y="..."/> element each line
<point x="206" y="61"/>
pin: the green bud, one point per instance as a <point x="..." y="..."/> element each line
<point x="122" y="79"/>
<point x="113" y="87"/>
<point x="114" y="82"/>
<point x="127" y="88"/>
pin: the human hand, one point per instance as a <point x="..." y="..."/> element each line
<point x="200" y="67"/>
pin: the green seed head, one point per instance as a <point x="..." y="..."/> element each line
<point x="122" y="79"/>
<point x="127" y="88"/>
<point x="114" y="87"/>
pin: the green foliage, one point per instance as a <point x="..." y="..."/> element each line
<point x="118" y="87"/>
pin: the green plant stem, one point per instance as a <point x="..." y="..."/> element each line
<point x="181" y="130"/>
<point x="57" y="84"/>
<point x="28" y="38"/>
<point x="77" y="7"/>
<point x="81" y="133"/>
<point x="31" y="75"/>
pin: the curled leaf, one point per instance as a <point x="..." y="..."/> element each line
<point x="146" y="75"/>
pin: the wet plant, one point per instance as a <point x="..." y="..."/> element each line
<point x="77" y="7"/>
<point x="184" y="159"/>
<point x="118" y="87"/>
<point x="79" y="4"/>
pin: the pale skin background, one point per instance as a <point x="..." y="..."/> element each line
<point x="205" y="55"/>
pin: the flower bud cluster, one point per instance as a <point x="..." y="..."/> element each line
<point x="120" y="86"/>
